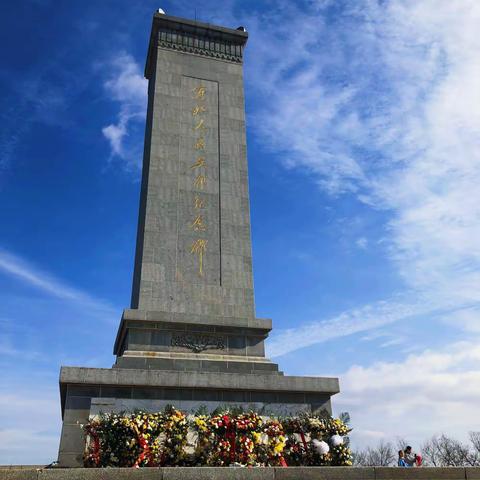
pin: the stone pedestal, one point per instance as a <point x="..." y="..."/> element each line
<point x="86" y="391"/>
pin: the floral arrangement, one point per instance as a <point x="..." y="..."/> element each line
<point x="223" y="438"/>
<point x="317" y="440"/>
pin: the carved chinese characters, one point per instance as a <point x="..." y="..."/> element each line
<point x="199" y="245"/>
<point x="198" y="257"/>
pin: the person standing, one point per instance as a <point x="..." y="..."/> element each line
<point x="401" y="459"/>
<point x="410" y="458"/>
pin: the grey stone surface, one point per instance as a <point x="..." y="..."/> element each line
<point x="76" y="409"/>
<point x="140" y="336"/>
<point x="189" y="365"/>
<point x="70" y="460"/>
<point x="72" y="438"/>
<point x="117" y="405"/>
<point x="226" y="473"/>
<point x="161" y="316"/>
<point x="166" y="273"/>
<point x="161" y="378"/>
<point x="211" y="473"/>
<point x="12" y="473"/>
<point x="324" y="473"/>
<point x="189" y="36"/>
<point x="424" y="473"/>
<point x="472" y="473"/>
<point x="102" y="474"/>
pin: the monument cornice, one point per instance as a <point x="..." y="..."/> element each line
<point x="178" y="379"/>
<point x="194" y="37"/>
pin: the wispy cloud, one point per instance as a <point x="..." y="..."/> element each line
<point x="361" y="243"/>
<point x="19" y="268"/>
<point x="363" y="319"/>
<point x="128" y="88"/>
<point x="376" y="100"/>
<point x="31" y="421"/>
<point x="36" y="100"/>
<point x="446" y="385"/>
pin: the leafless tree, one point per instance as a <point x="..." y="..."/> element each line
<point x="443" y="451"/>
<point x="383" y="455"/>
<point x="400" y="443"/>
<point x="431" y="454"/>
<point x="439" y="451"/>
<point x="475" y="441"/>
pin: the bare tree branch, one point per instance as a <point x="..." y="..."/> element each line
<point x="383" y="455"/>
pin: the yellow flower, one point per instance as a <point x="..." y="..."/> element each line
<point x="279" y="447"/>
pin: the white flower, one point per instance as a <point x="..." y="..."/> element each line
<point x="321" y="447"/>
<point x="336" y="440"/>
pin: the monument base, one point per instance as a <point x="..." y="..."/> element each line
<point x="88" y="391"/>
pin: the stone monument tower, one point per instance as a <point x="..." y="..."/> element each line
<point x="191" y="337"/>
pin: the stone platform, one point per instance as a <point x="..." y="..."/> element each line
<point x="212" y="473"/>
<point x="88" y="391"/>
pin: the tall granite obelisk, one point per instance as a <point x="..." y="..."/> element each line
<point x="191" y="336"/>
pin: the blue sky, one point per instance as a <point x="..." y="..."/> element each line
<point x="363" y="137"/>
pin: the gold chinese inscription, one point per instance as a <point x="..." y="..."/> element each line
<point x="198" y="248"/>
<point x="199" y="224"/>
<point x="200" y="144"/>
<point x="200" y="162"/>
<point x="200" y="125"/>
<point x="197" y="109"/>
<point x="199" y="92"/>
<point x="200" y="181"/>
<point x="199" y="203"/>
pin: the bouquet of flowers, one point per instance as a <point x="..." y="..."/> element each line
<point x="220" y="439"/>
<point x="317" y="440"/>
<point x="171" y="444"/>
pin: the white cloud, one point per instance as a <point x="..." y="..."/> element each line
<point x="468" y="319"/>
<point x="430" y="392"/>
<point x="361" y="243"/>
<point x="126" y="83"/>
<point x="126" y="86"/>
<point x="31" y="419"/>
<point x="378" y="100"/>
<point x="114" y="134"/>
<point x="17" y="267"/>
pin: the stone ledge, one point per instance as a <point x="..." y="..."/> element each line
<point x="216" y="380"/>
<point x="226" y="473"/>
<point x="158" y="316"/>
<point x="192" y="364"/>
<point x="196" y="356"/>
